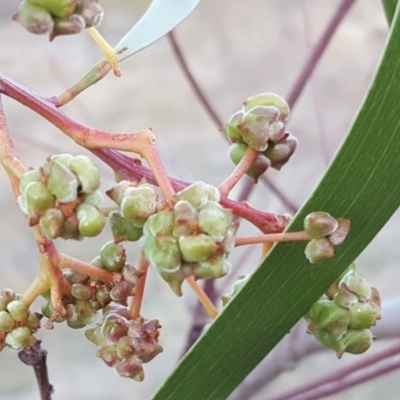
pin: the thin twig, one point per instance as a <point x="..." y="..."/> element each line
<point x="36" y="357"/>
<point x="346" y="377"/>
<point x="318" y="50"/>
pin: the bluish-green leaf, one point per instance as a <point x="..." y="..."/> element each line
<point x="362" y="184"/>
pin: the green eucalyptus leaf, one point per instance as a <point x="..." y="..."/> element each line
<point x="362" y="185"/>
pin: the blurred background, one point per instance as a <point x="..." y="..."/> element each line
<point x="235" y="50"/>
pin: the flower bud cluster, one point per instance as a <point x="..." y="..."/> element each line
<point x="17" y="323"/>
<point x="125" y="344"/>
<point x="260" y="124"/>
<point x="63" y="197"/>
<point x="192" y="237"/>
<point x="58" y="17"/>
<point x="137" y="203"/>
<point x="326" y="232"/>
<point x="89" y="295"/>
<point x="342" y="321"/>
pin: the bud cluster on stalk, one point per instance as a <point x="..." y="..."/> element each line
<point x="125" y="344"/>
<point x="58" y="17"/>
<point x="260" y="125"/>
<point x="63" y="197"/>
<point x="341" y="320"/>
<point x="17" y="323"/>
<point x="89" y="295"/>
<point x="326" y="232"/>
<point x="191" y="237"/>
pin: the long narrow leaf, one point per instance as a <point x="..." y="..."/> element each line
<point x="362" y="184"/>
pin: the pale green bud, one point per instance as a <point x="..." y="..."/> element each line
<point x="361" y="316"/>
<point x="232" y="127"/>
<point x="113" y="256"/>
<point x="117" y="192"/>
<point x="197" y="247"/>
<point x="356" y="284"/>
<point x="175" y="279"/>
<point x="269" y="99"/>
<point x="91" y="220"/>
<point x="337" y="237"/>
<point x="58" y="8"/>
<point x="213" y="194"/>
<point x="7" y="322"/>
<point x="124" y="229"/>
<point x="319" y="224"/>
<point x="357" y="341"/>
<point x="318" y="250"/>
<point x="81" y="291"/>
<point x="95" y="199"/>
<point x="185" y="218"/>
<point x="196" y="194"/>
<point x="164" y="254"/>
<point x="88" y="175"/>
<point x="62" y="182"/>
<point x="33" y="321"/>
<point x="38" y="198"/>
<point x="51" y="223"/>
<point x="114" y="327"/>
<point x="18" y="310"/>
<point x="28" y="177"/>
<point x="19" y="337"/>
<point x="213" y="268"/>
<point x="33" y="18"/>
<point x="214" y="220"/>
<point x="161" y="223"/>
<point x="279" y="152"/>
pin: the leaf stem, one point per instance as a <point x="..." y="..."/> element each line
<point x="136" y="304"/>
<point x="272" y="238"/>
<point x="203" y="298"/>
<point x="244" y="164"/>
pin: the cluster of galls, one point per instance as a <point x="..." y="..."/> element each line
<point x="63" y="197"/>
<point x="17" y="323"/>
<point x="341" y="320"/>
<point x="190" y="235"/>
<point x="58" y="17"/>
<point x="326" y="232"/>
<point x="125" y="344"/>
<point x="89" y="295"/>
<point x="260" y="124"/>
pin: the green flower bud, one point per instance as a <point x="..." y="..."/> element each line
<point x="62" y="182"/>
<point x="337" y="237"/>
<point x="197" y="248"/>
<point x="196" y="194"/>
<point x="91" y="12"/>
<point x="328" y="316"/>
<point x="91" y="220"/>
<point x="357" y="341"/>
<point x="19" y="337"/>
<point x="213" y="194"/>
<point x="185" y="218"/>
<point x="138" y="203"/>
<point x="7" y="322"/>
<point x="109" y="355"/>
<point x="214" y="220"/>
<point x="116" y="193"/>
<point x="268" y="99"/>
<point x="58" y="8"/>
<point x="213" y="268"/>
<point x="70" y="228"/>
<point x="48" y="311"/>
<point x="63" y="158"/>
<point x="95" y="336"/>
<point x="131" y="274"/>
<point x="356" y="284"/>
<point x="361" y="316"/>
<point x="163" y="253"/>
<point x="8" y="295"/>
<point x="319" y="224"/>
<point x="95" y="199"/>
<point x="317" y="250"/>
<point x="87" y="173"/>
<point x="232" y="127"/>
<point x="75" y="276"/>
<point x="131" y="368"/>
<point x="121" y="291"/>
<point x="330" y="341"/>
<point x="81" y="291"/>
<point x="374" y="302"/>
<point x="258" y="166"/>
<point x="124" y="229"/>
<point x="279" y="152"/>
<point x="18" y="310"/>
<point x="103" y="296"/>
<point x="38" y="197"/>
<point x="124" y="347"/>
<point x="113" y="256"/>
<point x="114" y="327"/>
<point x="276" y="131"/>
<point x="51" y="223"/>
<point x="67" y="26"/>
<point x="3" y="304"/>
<point x="344" y="298"/>
<point x="28" y="177"/>
<point x="33" y="18"/>
<point x="33" y="321"/>
<point x="72" y="317"/>
<point x="255" y="126"/>
<point x="161" y="223"/>
<point x="175" y="279"/>
<point x="86" y="313"/>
